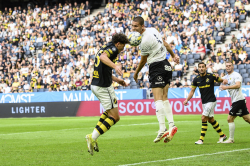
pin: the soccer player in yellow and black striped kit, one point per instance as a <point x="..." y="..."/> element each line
<point x="205" y="82"/>
<point x="102" y="87"/>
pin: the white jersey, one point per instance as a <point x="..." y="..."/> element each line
<point x="236" y="94"/>
<point x="152" y="45"/>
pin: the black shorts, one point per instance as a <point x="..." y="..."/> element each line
<point x="160" y="74"/>
<point x="239" y="108"/>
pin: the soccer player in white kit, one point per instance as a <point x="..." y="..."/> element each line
<point x="233" y="85"/>
<point x="153" y="51"/>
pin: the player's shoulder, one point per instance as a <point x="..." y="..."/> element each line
<point x="225" y="76"/>
<point x="235" y="74"/>
<point x="197" y="77"/>
<point x="111" y="48"/>
<point x="210" y="74"/>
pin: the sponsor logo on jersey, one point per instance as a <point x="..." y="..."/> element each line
<point x="206" y="86"/>
<point x="114" y="49"/>
<point x="159" y="78"/>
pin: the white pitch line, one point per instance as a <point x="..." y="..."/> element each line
<point x="187" y="157"/>
<point x="139" y="124"/>
<point x="72" y="129"/>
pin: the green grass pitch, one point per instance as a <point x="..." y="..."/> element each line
<point x="61" y="141"/>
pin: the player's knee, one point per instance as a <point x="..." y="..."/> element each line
<point x="246" y="118"/>
<point x="204" y="118"/>
<point x="230" y="119"/>
<point x="117" y="118"/>
<point x="210" y="120"/>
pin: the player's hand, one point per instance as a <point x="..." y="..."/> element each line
<point x="225" y="82"/>
<point x="135" y="77"/>
<point x="185" y="102"/>
<point x="123" y="83"/>
<point x="177" y="59"/>
<point x="223" y="87"/>
<point x="118" y="70"/>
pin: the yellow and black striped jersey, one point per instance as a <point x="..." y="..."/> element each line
<point x="102" y="75"/>
<point x="206" y="86"/>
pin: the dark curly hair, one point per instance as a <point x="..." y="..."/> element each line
<point x="120" y="37"/>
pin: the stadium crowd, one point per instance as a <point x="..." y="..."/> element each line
<point x="50" y="48"/>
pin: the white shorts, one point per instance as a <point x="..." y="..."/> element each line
<point x="208" y="109"/>
<point x="106" y="96"/>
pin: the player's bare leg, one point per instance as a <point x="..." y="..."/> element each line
<point x="230" y="120"/>
<point x="246" y="118"/>
<point x="169" y="115"/>
<point x="231" y="124"/>
<point x="158" y="96"/>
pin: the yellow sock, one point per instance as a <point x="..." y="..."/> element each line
<point x="216" y="126"/>
<point x="102" y="118"/>
<point x="203" y="130"/>
<point x="108" y="122"/>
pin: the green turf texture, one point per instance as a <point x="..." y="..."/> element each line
<point x="61" y="141"/>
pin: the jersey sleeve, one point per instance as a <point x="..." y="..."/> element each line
<point x="194" y="83"/>
<point x="111" y="51"/>
<point x="145" y="48"/>
<point x="238" y="78"/>
<point x="216" y="78"/>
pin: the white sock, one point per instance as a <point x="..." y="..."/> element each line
<point x="168" y="113"/>
<point x="95" y="134"/>
<point x="231" y="130"/>
<point x="160" y="115"/>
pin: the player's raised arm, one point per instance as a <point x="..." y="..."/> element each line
<point x="140" y="66"/>
<point x="169" y="49"/>
<point x="104" y="58"/>
<point x="190" y="95"/>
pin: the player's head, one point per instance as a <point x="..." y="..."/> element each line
<point x="202" y="67"/>
<point x="229" y="66"/>
<point x="138" y="24"/>
<point x="119" y="40"/>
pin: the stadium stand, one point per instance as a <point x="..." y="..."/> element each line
<point x="52" y="48"/>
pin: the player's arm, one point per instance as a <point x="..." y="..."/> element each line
<point x="190" y="95"/>
<point x="119" y="81"/>
<point x="236" y="86"/>
<point x="104" y="59"/>
<point x="219" y="79"/>
<point x="140" y="66"/>
<point x="169" y="49"/>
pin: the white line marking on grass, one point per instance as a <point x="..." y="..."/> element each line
<point x="187" y="157"/>
<point x="73" y="129"/>
<point x="138" y="124"/>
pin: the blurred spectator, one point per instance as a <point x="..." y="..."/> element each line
<point x="195" y="71"/>
<point x="185" y="66"/>
<point x="201" y="50"/>
<point x="237" y="60"/>
<point x="177" y="83"/>
<point x="186" y="82"/>
<point x="178" y="68"/>
<point x="217" y="66"/>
